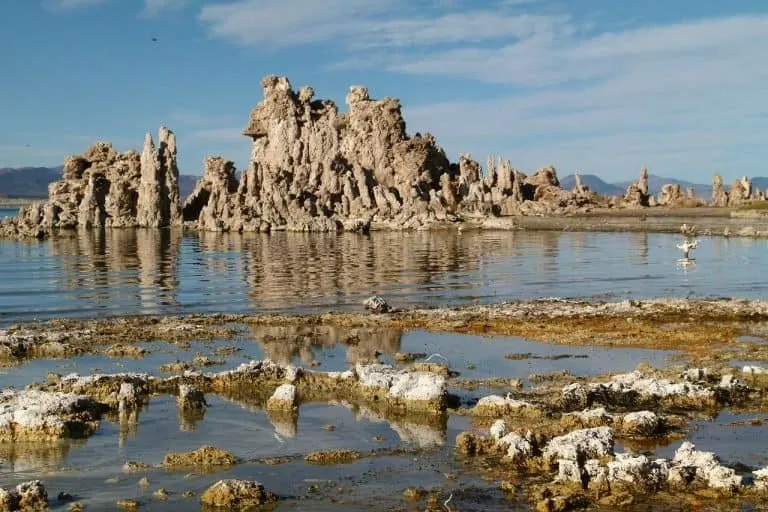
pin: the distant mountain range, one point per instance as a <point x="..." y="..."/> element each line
<point x="32" y="182"/>
<point x="655" y="183"/>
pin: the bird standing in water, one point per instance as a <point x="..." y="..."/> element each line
<point x="686" y="247"/>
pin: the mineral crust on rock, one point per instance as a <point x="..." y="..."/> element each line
<point x="495" y="406"/>
<point x="42" y="416"/>
<point x="283" y="399"/>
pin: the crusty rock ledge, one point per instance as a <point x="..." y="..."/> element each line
<point x="700" y="327"/>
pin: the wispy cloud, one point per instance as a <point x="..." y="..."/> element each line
<point x="64" y="5"/>
<point x="685" y="97"/>
<point x="283" y="23"/>
<point x="154" y="8"/>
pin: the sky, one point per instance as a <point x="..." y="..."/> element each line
<point x="590" y="86"/>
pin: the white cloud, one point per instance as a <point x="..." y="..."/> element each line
<point x="282" y="23"/>
<point x="684" y="98"/>
<point x="156" y="7"/>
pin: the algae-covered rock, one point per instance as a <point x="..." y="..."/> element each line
<point x="236" y="495"/>
<point x="206" y="456"/>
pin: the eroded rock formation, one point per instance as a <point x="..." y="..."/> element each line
<point x="637" y="194"/>
<point x="741" y="192"/>
<point x="315" y="169"/>
<point x="719" y="195"/>
<point x="671" y="195"/>
<point x="104" y="188"/>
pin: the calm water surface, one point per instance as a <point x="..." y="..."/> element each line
<point x="8" y="212"/>
<point x="165" y="272"/>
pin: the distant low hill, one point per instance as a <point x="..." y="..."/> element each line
<point x="27" y="182"/>
<point x="32" y="182"/>
<point x="655" y="183"/>
<point x="595" y="183"/>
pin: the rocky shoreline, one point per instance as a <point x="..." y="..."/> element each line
<point x="556" y="437"/>
<point x="313" y="168"/>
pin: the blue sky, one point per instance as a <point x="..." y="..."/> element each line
<point x="594" y="86"/>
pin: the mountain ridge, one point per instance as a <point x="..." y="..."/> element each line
<point x="32" y="182"/>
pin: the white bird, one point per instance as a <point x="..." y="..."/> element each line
<point x="686" y="247"/>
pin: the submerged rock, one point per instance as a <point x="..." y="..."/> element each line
<point x="206" y="456"/>
<point x="236" y="495"/>
<point x="328" y="457"/>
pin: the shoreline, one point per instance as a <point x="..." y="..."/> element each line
<point x="704" y="223"/>
<point x="508" y="429"/>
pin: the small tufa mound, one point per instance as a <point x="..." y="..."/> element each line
<point x="329" y="457"/>
<point x="691" y="465"/>
<point x="495" y="406"/>
<point x="377" y="304"/>
<point x="236" y="495"/>
<point x="588" y="443"/>
<point x="26" y="496"/>
<point x="191" y="398"/>
<point x="206" y="456"/>
<point x="640" y="424"/>
<point x="283" y="399"/>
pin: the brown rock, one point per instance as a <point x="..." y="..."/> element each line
<point x="236" y="495"/>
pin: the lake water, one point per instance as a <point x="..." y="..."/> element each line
<point x="8" y="212"/>
<point x="165" y="272"/>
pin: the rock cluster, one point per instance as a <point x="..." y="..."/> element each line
<point x="104" y="188"/>
<point x="311" y="168"/>
<point x="635" y="388"/>
<point x="315" y="169"/>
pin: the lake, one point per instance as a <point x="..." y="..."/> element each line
<point x="165" y="272"/>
